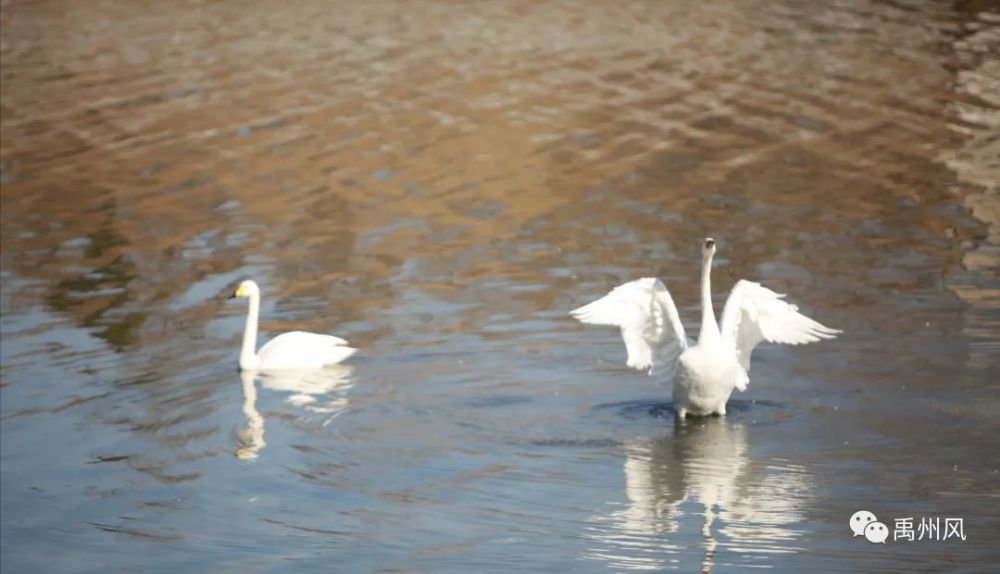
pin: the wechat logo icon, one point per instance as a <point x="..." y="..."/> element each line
<point x="864" y="523"/>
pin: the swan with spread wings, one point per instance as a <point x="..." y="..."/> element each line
<point x="704" y="373"/>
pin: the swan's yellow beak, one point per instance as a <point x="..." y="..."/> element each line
<point x="239" y="292"/>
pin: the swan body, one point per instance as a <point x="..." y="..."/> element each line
<point x="704" y="380"/>
<point x="288" y="351"/>
<point x="704" y="373"/>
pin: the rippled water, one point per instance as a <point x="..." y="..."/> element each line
<point x="440" y="183"/>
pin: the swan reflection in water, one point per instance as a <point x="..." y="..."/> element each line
<point x="694" y="485"/>
<point x="320" y="393"/>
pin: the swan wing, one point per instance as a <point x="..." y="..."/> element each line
<point x="302" y="350"/>
<point x="647" y="316"/>
<point x="754" y="313"/>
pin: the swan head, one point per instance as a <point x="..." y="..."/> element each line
<point x="246" y="288"/>
<point x="708" y="248"/>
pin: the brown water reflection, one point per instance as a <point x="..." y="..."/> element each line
<point x="439" y="183"/>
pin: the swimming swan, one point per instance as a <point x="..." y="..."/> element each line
<point x="293" y="350"/>
<point x="703" y="374"/>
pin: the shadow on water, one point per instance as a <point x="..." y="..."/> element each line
<point x="94" y="297"/>
<point x="699" y="486"/>
<point x="250" y="440"/>
<point x="756" y="411"/>
<point x="321" y="396"/>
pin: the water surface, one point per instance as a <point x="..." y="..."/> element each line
<point x="440" y="183"/>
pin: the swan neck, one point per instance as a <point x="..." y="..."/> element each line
<point x="709" y="328"/>
<point x="248" y="353"/>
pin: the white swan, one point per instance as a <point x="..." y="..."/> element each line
<point x="703" y="374"/>
<point x="293" y="350"/>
